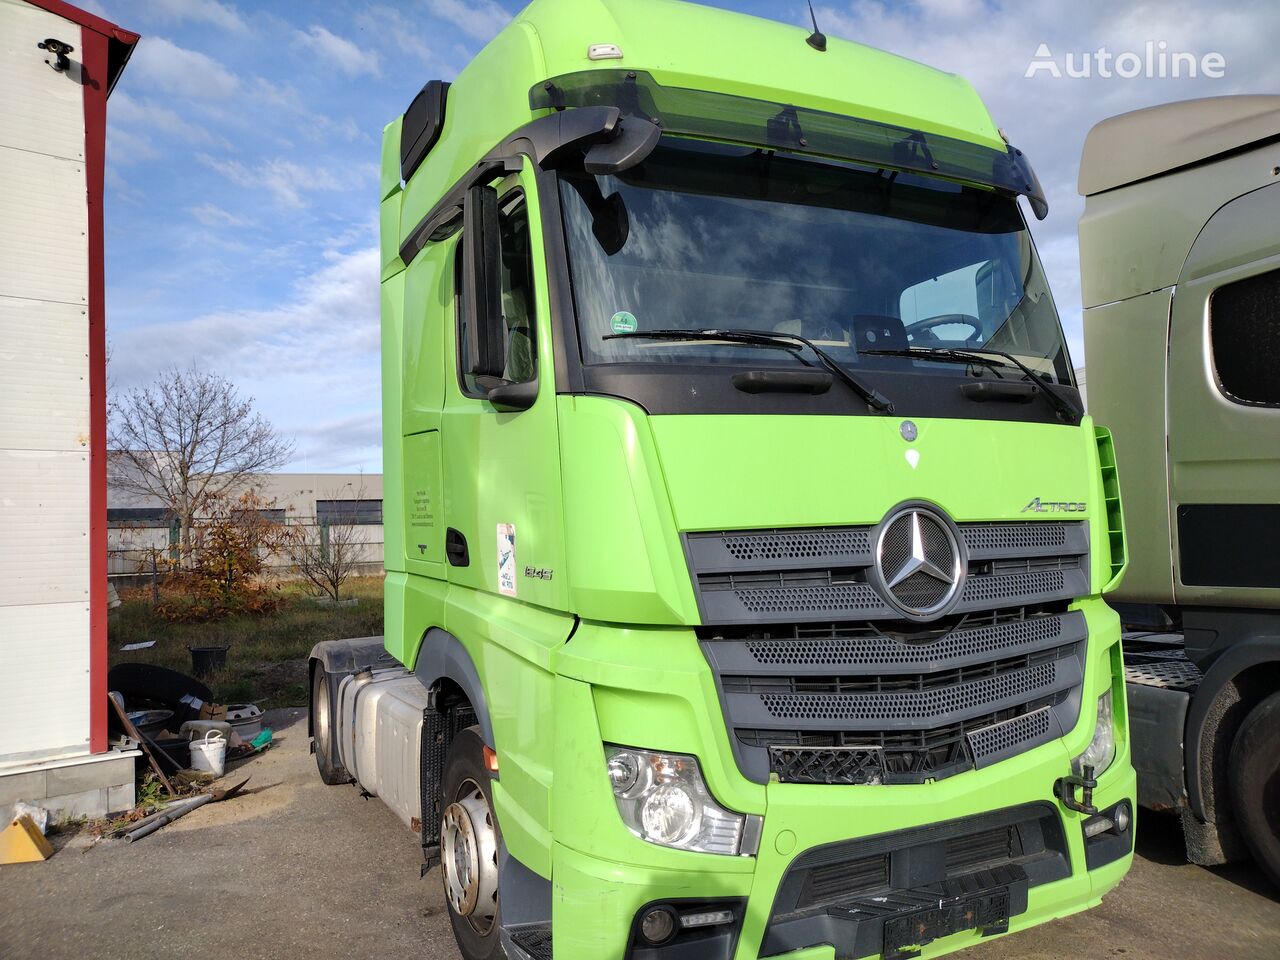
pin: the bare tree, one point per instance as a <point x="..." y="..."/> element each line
<point x="187" y="438"/>
<point x="328" y="553"/>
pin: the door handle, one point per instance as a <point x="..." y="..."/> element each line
<point x="455" y="548"/>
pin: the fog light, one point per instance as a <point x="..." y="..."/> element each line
<point x="658" y="925"/>
<point x="1095" y="826"/>
<point x="705" y="918"/>
<point x="1123" y="818"/>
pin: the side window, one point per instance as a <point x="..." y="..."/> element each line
<point x="521" y="349"/>
<point x="1244" y="330"/>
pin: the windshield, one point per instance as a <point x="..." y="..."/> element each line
<point x="704" y="236"/>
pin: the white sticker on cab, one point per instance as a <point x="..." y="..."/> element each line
<point x="507" y="559"/>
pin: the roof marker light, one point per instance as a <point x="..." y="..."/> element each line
<point x="604" y="51"/>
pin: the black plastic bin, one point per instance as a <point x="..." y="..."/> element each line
<point x="205" y="660"/>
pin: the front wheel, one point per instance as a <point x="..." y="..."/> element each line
<point x="469" y="845"/>
<point x="1255" y="784"/>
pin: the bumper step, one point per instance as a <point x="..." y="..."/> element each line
<point x="531" y="941"/>
<point x="897" y="923"/>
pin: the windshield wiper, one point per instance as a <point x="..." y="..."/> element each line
<point x="783" y="341"/>
<point x="942" y="355"/>
<point x="1067" y="411"/>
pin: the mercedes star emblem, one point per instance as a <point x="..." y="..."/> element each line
<point x="919" y="561"/>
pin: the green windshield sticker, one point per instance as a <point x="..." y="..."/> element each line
<point x="623" y="322"/>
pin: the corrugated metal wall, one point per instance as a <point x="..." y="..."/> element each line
<point x="44" y="395"/>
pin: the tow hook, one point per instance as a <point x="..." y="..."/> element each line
<point x="1065" y="789"/>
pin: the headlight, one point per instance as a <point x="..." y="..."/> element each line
<point x="1102" y="750"/>
<point x="662" y="798"/>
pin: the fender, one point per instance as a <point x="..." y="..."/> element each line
<point x="443" y="657"/>
<point x="341" y="657"/>
<point x="1230" y="664"/>
<point x="348" y="656"/>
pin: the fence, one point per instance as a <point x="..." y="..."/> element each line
<point x="138" y="550"/>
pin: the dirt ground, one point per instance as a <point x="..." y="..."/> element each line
<point x="297" y="869"/>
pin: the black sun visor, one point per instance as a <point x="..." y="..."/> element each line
<point x="718" y="116"/>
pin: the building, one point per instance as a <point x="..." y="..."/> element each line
<point x="58" y="65"/>
<point x="142" y="527"/>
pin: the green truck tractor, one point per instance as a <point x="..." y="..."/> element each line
<point x="746" y="540"/>
<point x="1180" y="267"/>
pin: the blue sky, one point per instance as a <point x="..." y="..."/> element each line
<point x="244" y="139"/>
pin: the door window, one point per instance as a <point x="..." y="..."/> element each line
<point x="521" y="347"/>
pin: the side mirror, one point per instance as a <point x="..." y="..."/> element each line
<point x="482" y="283"/>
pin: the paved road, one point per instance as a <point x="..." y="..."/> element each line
<point x="297" y="869"/>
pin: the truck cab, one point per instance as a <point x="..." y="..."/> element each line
<point x="1180" y="267"/>
<point x="746" y="539"/>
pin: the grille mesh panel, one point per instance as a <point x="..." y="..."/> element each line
<point x="808" y="545"/>
<point x="921" y="705"/>
<point x="990" y="589"/>
<point x="1013" y="537"/>
<point x="995" y="640"/>
<point x="852" y="598"/>
<point x="1002" y="737"/>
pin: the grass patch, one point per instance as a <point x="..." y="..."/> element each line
<point x="267" y="655"/>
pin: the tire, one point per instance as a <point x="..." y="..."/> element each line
<point x="323" y="724"/>
<point x="143" y="683"/>
<point x="1255" y="784"/>
<point x="470" y="841"/>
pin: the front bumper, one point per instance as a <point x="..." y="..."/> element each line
<point x="602" y="875"/>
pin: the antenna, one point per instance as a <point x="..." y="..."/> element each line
<point x="817" y="39"/>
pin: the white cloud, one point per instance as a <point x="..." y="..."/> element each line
<point x="311" y="361"/>
<point x="343" y="443"/>
<point x="198" y="11"/>
<point x="168" y="70"/>
<point x="125" y="146"/>
<point x="338" y="51"/>
<point x="407" y="37"/>
<point x="479" y="19"/>
<point x="286" y="180"/>
<point x="147" y="117"/>
<point x="212" y="215"/>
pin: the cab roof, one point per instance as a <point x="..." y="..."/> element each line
<point x="690" y="45"/>
<point x="1156" y="140"/>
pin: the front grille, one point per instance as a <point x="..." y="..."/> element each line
<point x="823" y="681"/>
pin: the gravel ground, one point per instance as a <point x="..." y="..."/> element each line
<point x="297" y="869"/>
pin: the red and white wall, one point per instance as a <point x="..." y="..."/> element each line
<point x="53" y="631"/>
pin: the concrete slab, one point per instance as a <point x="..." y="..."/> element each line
<point x="21" y="786"/>
<point x="81" y="787"/>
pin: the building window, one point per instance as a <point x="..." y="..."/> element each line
<point x="139" y="517"/>
<point x="1244" y="327"/>
<point x="348" y="511"/>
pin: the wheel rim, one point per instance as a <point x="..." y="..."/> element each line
<point x="322" y="713"/>
<point x="469" y="858"/>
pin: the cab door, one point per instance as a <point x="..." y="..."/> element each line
<point x="1224" y="408"/>
<point x="501" y="469"/>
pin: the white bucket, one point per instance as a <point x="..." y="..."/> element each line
<point x="210" y="754"/>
